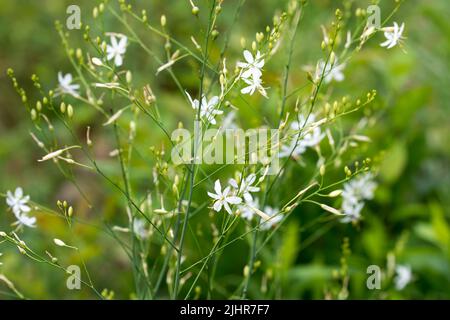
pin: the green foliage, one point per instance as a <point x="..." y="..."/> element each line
<point x="407" y="222"/>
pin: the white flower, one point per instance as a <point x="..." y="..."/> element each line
<point x="404" y="276"/>
<point x="303" y="137"/>
<point x="360" y="188"/>
<point x="254" y="84"/>
<point x="355" y="192"/>
<point x="208" y="109"/>
<point x="251" y="73"/>
<point x="139" y="228"/>
<point x="246" y="187"/>
<point x="246" y="210"/>
<point x="18" y="204"/>
<point x="274" y="215"/>
<point x="223" y="198"/>
<point x="25" y="220"/>
<point x="393" y="35"/>
<point x="117" y="50"/>
<point x="253" y="65"/>
<point x="352" y="210"/>
<point x="331" y="72"/>
<point x="66" y="86"/>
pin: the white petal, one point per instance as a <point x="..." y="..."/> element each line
<point x="227" y="208"/>
<point x="218" y="187"/>
<point x="233" y="200"/>
<point x="25" y="208"/>
<point x="248" y="56"/>
<point x="68" y="78"/>
<point x="118" y="60"/>
<point x="123" y="42"/>
<point x="242" y="64"/>
<point x="260" y="64"/>
<point x="248" y="197"/>
<point x="113" y="41"/>
<point x="217" y="206"/>
<point x="226" y="191"/>
<point x="233" y="183"/>
<point x="213" y="195"/>
<point x="213" y="101"/>
<point x="110" y="55"/>
<point x="247" y="89"/>
<point x="18" y="193"/>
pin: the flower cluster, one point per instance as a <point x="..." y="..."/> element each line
<point x="355" y="192"/>
<point x="241" y="194"/>
<point x="251" y="72"/>
<point x="330" y="71"/>
<point x="304" y="135"/>
<point x="18" y="203"/>
<point x="208" y="108"/>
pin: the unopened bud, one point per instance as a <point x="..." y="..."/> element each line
<point x="70" y="111"/>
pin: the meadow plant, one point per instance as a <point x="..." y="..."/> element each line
<point x="175" y="222"/>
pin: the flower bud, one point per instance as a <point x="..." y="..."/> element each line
<point x="128" y="76"/>
<point x="70" y="111"/>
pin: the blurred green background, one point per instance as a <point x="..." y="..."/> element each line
<point x="409" y="215"/>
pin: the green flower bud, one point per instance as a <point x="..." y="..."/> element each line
<point x="70" y="111"/>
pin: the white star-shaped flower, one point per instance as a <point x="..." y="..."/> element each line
<point x="246" y="187"/>
<point x="254" y="84"/>
<point x="393" y="35"/>
<point x="66" y="86"/>
<point x="331" y="72"/>
<point x="355" y="192"/>
<point x="246" y="209"/>
<point x="303" y="137"/>
<point x="116" y="50"/>
<point x="275" y="217"/>
<point x="208" y="110"/>
<point x="253" y="65"/>
<point x="223" y="198"/>
<point x="18" y="204"/>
